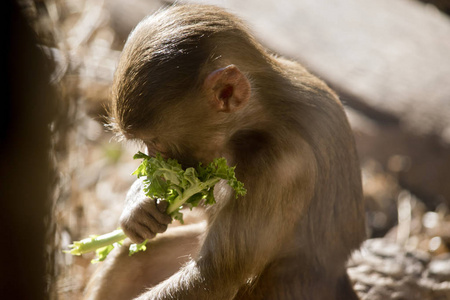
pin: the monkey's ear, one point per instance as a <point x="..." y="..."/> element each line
<point x="227" y="89"/>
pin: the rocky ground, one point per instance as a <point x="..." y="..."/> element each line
<point x="404" y="169"/>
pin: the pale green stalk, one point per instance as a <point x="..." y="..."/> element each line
<point x="93" y="243"/>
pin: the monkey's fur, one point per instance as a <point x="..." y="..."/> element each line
<point x="193" y="84"/>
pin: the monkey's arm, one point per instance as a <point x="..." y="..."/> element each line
<point x="245" y="235"/>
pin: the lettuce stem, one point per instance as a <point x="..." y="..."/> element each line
<point x="189" y="193"/>
<point x="93" y="243"/>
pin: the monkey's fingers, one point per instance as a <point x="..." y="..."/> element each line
<point x="152" y="226"/>
<point x="162" y="205"/>
<point x="152" y="209"/>
<point x="137" y="233"/>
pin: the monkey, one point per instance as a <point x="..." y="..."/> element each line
<point x="193" y="84"/>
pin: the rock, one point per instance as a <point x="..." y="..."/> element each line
<point x="440" y="267"/>
<point x="384" y="270"/>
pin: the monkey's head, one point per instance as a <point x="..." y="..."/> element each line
<point x="181" y="78"/>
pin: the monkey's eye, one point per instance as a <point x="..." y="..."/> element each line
<point x="150" y="142"/>
<point x="154" y="142"/>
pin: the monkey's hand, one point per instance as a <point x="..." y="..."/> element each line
<point x="143" y="217"/>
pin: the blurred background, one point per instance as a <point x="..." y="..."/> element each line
<point x="389" y="60"/>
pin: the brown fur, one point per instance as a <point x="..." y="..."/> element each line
<point x="290" y="236"/>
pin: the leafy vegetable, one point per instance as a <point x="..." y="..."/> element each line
<point x="166" y="179"/>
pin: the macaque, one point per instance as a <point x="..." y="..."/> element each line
<point x="193" y="84"/>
